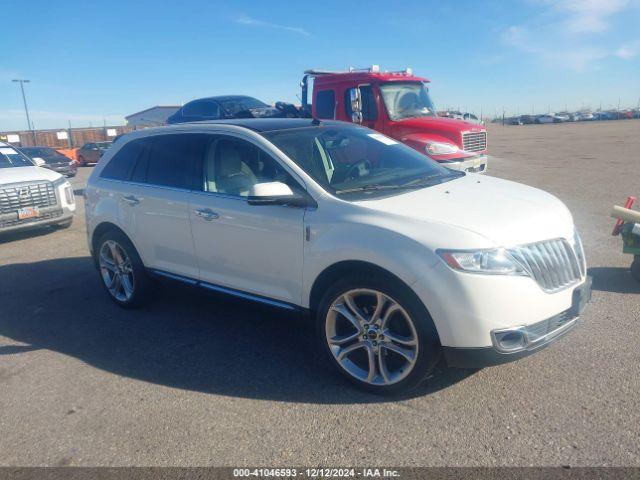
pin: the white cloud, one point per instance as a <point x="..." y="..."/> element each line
<point x="628" y="50"/>
<point x="589" y="16"/>
<point x="559" y="36"/>
<point x="252" y="22"/>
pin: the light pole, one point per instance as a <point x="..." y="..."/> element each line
<point x="22" y="81"/>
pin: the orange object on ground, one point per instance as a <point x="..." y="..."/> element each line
<point x="619" y="223"/>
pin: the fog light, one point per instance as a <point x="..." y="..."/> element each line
<point x="509" y="340"/>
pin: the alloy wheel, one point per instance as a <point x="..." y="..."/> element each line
<point x="371" y="336"/>
<point x="116" y="270"/>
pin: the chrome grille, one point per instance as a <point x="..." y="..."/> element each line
<point x="552" y="263"/>
<point x="20" y="195"/>
<point x="538" y="330"/>
<point x="474" y="141"/>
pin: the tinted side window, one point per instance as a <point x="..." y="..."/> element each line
<point x="173" y="160"/>
<point x="233" y="166"/>
<point x="201" y="109"/>
<point x="122" y="162"/>
<point x="369" y="107"/>
<point x="325" y="104"/>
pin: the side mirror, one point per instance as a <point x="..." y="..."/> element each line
<point x="274" y="193"/>
<point x="355" y="98"/>
<point x="38" y="161"/>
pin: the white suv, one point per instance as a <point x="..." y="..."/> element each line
<point x="397" y="258"/>
<point x="31" y="196"/>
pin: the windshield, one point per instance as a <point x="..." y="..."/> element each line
<point x="47" y="154"/>
<point x="355" y="162"/>
<point x="103" y="145"/>
<point x="10" y="157"/>
<point x="236" y="105"/>
<point x="407" y="100"/>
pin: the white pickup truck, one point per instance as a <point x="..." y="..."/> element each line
<point x="31" y="196"/>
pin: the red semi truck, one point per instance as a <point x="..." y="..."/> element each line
<point x="396" y="104"/>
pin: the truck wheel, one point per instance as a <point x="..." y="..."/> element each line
<point x="377" y="334"/>
<point x="635" y="268"/>
<point x="121" y="270"/>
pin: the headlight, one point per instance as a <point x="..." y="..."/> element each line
<point x="495" y="262"/>
<point x="441" y="148"/>
<point x="67" y="189"/>
<point x="60" y="182"/>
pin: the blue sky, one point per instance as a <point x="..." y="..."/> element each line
<point x="89" y="61"/>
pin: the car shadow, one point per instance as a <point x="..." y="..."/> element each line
<point x="614" y="280"/>
<point x="185" y="338"/>
<point x="37" y="231"/>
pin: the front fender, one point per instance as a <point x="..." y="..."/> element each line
<point x="394" y="252"/>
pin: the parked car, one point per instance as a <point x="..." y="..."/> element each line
<point x="396" y="257"/>
<point x="31" y="196"/>
<point x="90" y="153"/>
<point x="53" y="160"/>
<point x="527" y="119"/>
<point x="547" y="119"/>
<point x="583" y="116"/>
<point x="514" y="121"/>
<point x="227" y="106"/>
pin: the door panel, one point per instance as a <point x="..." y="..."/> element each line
<point x="158" y="218"/>
<point x="255" y="249"/>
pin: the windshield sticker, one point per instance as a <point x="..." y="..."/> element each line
<point x="8" y="151"/>
<point x="382" y="139"/>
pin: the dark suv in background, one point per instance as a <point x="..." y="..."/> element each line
<point x="90" y="153"/>
<point x="53" y="160"/>
<point x="230" y="106"/>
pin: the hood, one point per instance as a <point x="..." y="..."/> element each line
<point x="450" y="128"/>
<point x="26" y="174"/>
<point x="493" y="211"/>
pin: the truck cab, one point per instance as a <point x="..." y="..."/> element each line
<point x="398" y="105"/>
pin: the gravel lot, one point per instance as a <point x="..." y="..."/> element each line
<point x="200" y="380"/>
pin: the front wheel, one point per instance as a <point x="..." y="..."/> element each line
<point x="635" y="268"/>
<point x="121" y="270"/>
<point x="377" y="334"/>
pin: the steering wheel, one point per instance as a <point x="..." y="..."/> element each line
<point x="359" y="169"/>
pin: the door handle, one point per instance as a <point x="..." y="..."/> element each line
<point x="206" y="213"/>
<point x="131" y="200"/>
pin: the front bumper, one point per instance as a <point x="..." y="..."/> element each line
<point x="477" y="164"/>
<point x="48" y="216"/>
<point x="530" y="338"/>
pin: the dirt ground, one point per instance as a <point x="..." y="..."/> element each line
<point x="198" y="380"/>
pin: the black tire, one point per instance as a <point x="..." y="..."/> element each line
<point x="429" y="349"/>
<point x="141" y="284"/>
<point x="64" y="225"/>
<point x="81" y="161"/>
<point x="635" y="268"/>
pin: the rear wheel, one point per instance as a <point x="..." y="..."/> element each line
<point x="122" y="273"/>
<point x="81" y="161"/>
<point x="635" y="268"/>
<point x="377" y="334"/>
